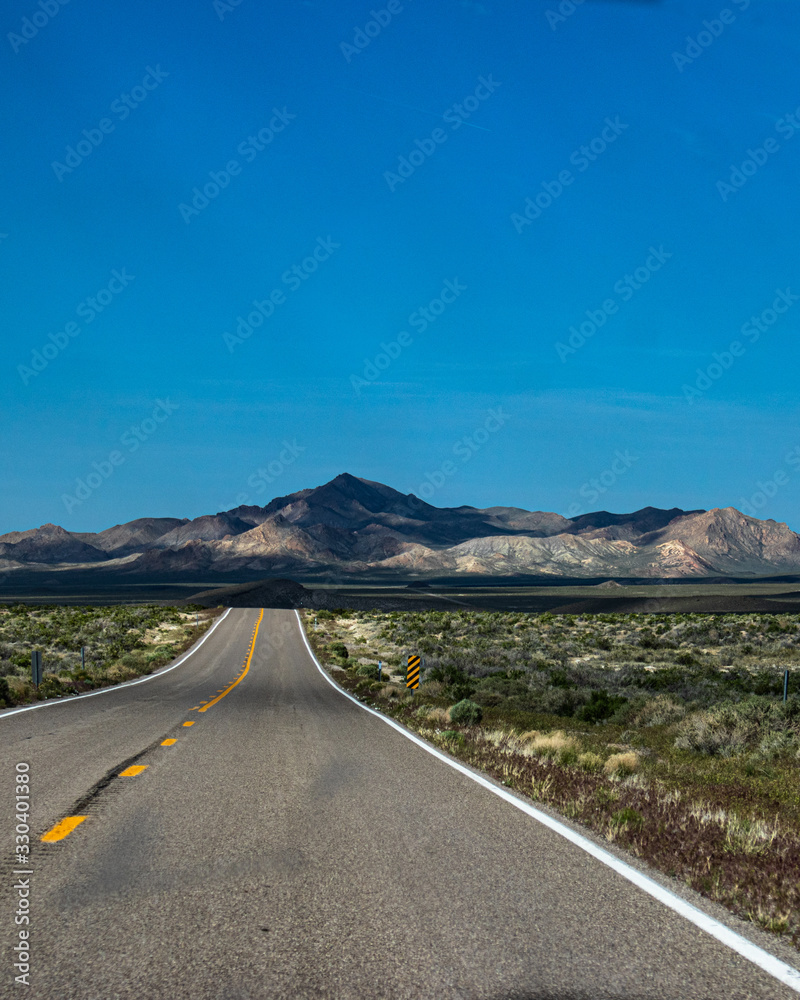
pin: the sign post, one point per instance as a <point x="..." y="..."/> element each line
<point x="36" y="667"/>
<point x="786" y="685"/>
<point x="412" y="672"/>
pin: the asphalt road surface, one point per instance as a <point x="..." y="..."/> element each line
<point x="289" y="844"/>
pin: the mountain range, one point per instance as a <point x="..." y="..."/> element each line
<point x="352" y="528"/>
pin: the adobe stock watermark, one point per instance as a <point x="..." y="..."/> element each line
<point x="767" y="490"/>
<point x="264" y="476"/>
<point x="711" y="30"/>
<point x="659" y="603"/>
<point x="292" y="278"/>
<point x="581" y="159"/>
<point x="278" y="635"/>
<point x="558" y="15"/>
<point x="121" y="108"/>
<point x="362" y="37"/>
<point x="786" y="126"/>
<point x="454" y="116"/>
<point x="45" y="11"/>
<point x="463" y="450"/>
<point x="597" y="486"/>
<point x="131" y="441"/>
<point x="225" y="7"/>
<point x="751" y="330"/>
<point x="88" y="310"/>
<point x="248" y="149"/>
<point x="21" y="951"/>
<point x="625" y="288"/>
<point x="420" y="319"/>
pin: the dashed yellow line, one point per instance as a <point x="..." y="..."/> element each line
<point x="65" y="826"/>
<point x="62" y="829"/>
<point x="131" y="772"/>
<point x="222" y="694"/>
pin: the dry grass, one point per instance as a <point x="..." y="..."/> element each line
<point x="505" y="740"/>
<point x="659" y="711"/>
<point x="746" y="836"/>
<point x="591" y="762"/>
<point x="117" y="674"/>
<point x="540" y="788"/>
<point x="621" y="764"/>
<point x="765" y="726"/>
<point x="555" y="746"/>
<point x="438" y="716"/>
<point x="21" y="688"/>
<point x="548" y="744"/>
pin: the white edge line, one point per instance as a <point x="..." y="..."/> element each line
<point x="763" y="959"/>
<point x="70" y="699"/>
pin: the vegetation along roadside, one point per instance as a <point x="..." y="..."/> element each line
<point x="665" y="734"/>
<point x="120" y="643"/>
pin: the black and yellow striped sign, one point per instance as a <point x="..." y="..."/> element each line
<point x="412" y="673"/>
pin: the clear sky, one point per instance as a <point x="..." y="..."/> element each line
<point x="424" y="198"/>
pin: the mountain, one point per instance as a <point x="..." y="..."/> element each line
<point x="348" y="504"/>
<point x="730" y="540"/>
<point x="627" y="526"/>
<point x="48" y="544"/>
<point x="207" y="528"/>
<point x="131" y="537"/>
<point x="354" y="528"/>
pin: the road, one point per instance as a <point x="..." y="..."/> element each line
<point x="289" y="844"/>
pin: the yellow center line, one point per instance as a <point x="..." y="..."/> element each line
<point x="65" y="827"/>
<point x="62" y="829"/>
<point x="222" y="694"/>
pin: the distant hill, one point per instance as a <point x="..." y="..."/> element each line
<point x="48" y="544"/>
<point x="133" y="536"/>
<point x="353" y="528"/>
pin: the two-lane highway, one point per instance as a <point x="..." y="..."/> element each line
<point x="288" y="844"/>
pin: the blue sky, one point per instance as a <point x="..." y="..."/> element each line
<point x="415" y="324"/>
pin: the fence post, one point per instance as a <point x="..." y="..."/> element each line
<point x="36" y="667"/>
